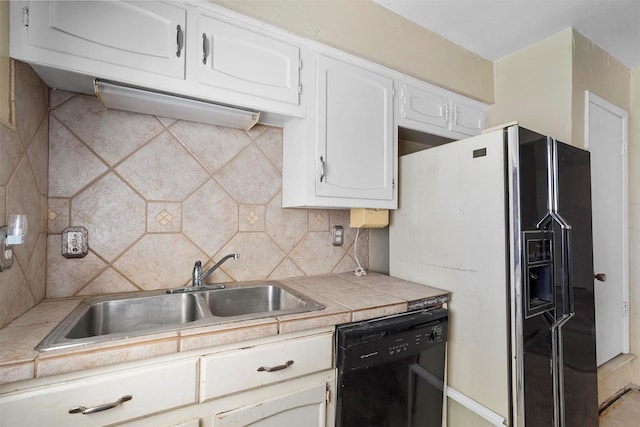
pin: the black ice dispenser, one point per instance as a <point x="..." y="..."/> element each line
<point x="539" y="294"/>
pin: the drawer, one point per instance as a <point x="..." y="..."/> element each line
<point x="247" y="368"/>
<point x="153" y="389"/>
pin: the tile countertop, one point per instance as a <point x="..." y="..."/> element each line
<point x="347" y="298"/>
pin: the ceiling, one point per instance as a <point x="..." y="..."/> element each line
<point x="496" y="28"/>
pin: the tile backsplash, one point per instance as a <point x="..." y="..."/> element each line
<point x="23" y="190"/>
<point x="157" y="194"/>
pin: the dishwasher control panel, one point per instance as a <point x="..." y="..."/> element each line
<point x="377" y="346"/>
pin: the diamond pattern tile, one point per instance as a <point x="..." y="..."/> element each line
<point x="305" y="255"/>
<point x="71" y="163"/>
<point x="113" y="214"/>
<point x="251" y="218"/>
<point x="65" y="277"/>
<point x="12" y="151"/>
<point x="160" y="261"/>
<point x="210" y="217"/>
<point x="213" y="145"/>
<point x="24" y="196"/>
<point x="38" y="153"/>
<point x="164" y="217"/>
<point x="259" y="256"/>
<point x="250" y="177"/>
<point x="163" y="170"/>
<point x="286" y="226"/>
<point x="32" y="101"/>
<point x="270" y="142"/>
<point x="112" y="134"/>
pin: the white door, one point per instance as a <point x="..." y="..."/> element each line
<point x="606" y="139"/>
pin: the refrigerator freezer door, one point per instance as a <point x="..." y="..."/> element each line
<point x="450" y="231"/>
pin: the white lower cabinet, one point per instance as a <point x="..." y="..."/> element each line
<point x="307" y="406"/>
<point x="137" y="392"/>
<point x="281" y="381"/>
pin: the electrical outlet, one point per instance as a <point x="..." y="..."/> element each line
<point x="337" y="235"/>
<point x="75" y="242"/>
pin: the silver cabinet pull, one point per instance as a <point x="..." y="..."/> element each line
<point x="179" y="40"/>
<point x="275" y="368"/>
<point x="99" y="408"/>
<point x="205" y="48"/>
<point x="601" y="277"/>
<point x="321" y="168"/>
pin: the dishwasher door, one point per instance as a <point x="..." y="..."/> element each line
<point x="391" y="371"/>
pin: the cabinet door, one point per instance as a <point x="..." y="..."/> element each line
<point x="305" y="407"/>
<point x="241" y="60"/>
<point x="420" y="106"/>
<point x="355" y="136"/>
<point x="467" y="119"/>
<point x="147" y="36"/>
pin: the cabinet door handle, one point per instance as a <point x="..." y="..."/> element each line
<point x="205" y="48"/>
<point x="285" y="365"/>
<point x="99" y="408"/>
<point x="179" y="40"/>
<point x="321" y="168"/>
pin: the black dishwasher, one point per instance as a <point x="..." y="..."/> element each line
<point x="391" y="370"/>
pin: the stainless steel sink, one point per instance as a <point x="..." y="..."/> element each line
<point x="129" y="315"/>
<point x="270" y="299"/>
<point x="100" y="319"/>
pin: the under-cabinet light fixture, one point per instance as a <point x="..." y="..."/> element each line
<point x="10" y="235"/>
<point x="140" y="100"/>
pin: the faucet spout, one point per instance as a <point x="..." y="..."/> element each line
<point x="198" y="276"/>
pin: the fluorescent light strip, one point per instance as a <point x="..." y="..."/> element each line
<point x="139" y="100"/>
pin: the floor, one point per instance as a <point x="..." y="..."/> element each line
<point x="624" y="412"/>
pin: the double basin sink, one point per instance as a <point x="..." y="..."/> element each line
<point x="100" y="319"/>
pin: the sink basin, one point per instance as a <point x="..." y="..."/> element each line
<point x="100" y="319"/>
<point x="136" y="314"/>
<point x="269" y="299"/>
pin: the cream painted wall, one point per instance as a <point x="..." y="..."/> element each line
<point x="368" y="30"/>
<point x="5" y="66"/>
<point x="634" y="221"/>
<point x="533" y="86"/>
<point x="595" y="70"/>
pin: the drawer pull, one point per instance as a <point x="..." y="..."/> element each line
<point x="275" y="368"/>
<point x="86" y="411"/>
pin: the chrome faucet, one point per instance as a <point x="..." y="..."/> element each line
<point x="198" y="276"/>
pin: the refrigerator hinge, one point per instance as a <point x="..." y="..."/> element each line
<point x="328" y="396"/>
<point x="624" y="149"/>
<point x="25" y="17"/>
<point x="625" y="308"/>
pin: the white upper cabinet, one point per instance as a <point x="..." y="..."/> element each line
<point x="430" y="109"/>
<point x="147" y="36"/>
<point x="236" y="58"/>
<point x="194" y="49"/>
<point x="343" y="154"/>
<point x="354" y="132"/>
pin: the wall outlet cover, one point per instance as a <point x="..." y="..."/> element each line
<point x="75" y="242"/>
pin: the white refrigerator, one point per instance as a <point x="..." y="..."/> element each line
<point x="503" y="221"/>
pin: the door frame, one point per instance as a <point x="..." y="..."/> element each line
<point x="591" y="98"/>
